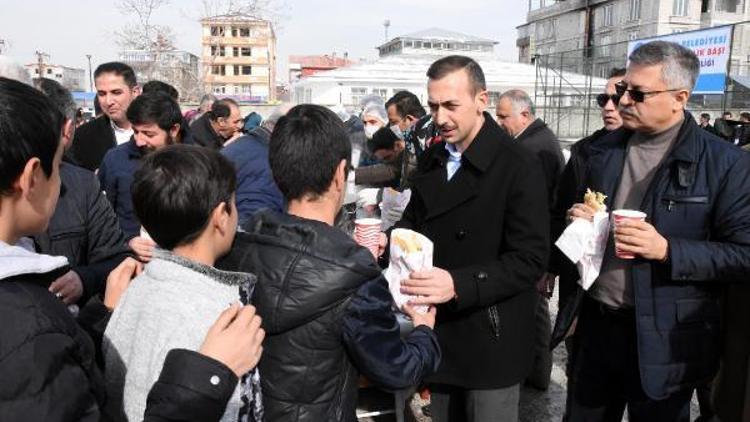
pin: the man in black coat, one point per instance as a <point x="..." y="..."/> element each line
<point x="218" y="125"/>
<point x="116" y="88"/>
<point x="482" y="200"/>
<point x="649" y="328"/>
<point x="84" y="228"/>
<point x="516" y="114"/>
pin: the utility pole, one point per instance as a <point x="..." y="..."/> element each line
<point x="40" y="55"/>
<point x="386" y="24"/>
<point x="91" y="77"/>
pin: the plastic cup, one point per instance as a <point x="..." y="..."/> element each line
<point x="626" y="215"/>
<point x="367" y="233"/>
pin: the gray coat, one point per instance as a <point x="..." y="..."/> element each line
<point x="171" y="305"/>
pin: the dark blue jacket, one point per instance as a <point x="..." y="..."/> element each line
<point x="699" y="200"/>
<point x="256" y="189"/>
<point x="116" y="176"/>
<point x="328" y="316"/>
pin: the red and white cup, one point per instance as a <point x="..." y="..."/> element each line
<point x="367" y="233"/>
<point x="619" y="216"/>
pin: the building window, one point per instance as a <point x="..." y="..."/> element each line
<point x="382" y="93"/>
<point x="494" y="97"/>
<point x="635" y="10"/>
<point x="246" y="89"/>
<point x="217" y="31"/>
<point x="680" y="7"/>
<point x="426" y="45"/>
<point x="244" y="32"/>
<point x="606" y="41"/>
<point x="632" y="35"/>
<point x="246" y="52"/>
<point x="408" y="44"/>
<point x="247" y="70"/>
<point x="357" y="94"/>
<point x="49" y="71"/>
<point x="219" y="90"/>
<point x="730" y="6"/>
<point x="217" y="51"/>
<point x="218" y="70"/>
<point x="609" y="11"/>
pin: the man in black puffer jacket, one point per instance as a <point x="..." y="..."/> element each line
<point x="326" y="307"/>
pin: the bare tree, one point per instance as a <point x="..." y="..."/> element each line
<point x="271" y="10"/>
<point x="156" y="41"/>
<point x="144" y="35"/>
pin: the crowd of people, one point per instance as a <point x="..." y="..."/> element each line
<point x="162" y="265"/>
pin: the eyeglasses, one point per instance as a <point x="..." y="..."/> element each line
<point x="603" y="99"/>
<point x="637" y="95"/>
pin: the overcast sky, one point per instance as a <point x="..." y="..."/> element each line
<point x="68" y="30"/>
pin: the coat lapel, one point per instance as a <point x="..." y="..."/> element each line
<point x="445" y="195"/>
<point x="441" y="195"/>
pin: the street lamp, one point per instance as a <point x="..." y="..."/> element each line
<point x="91" y="79"/>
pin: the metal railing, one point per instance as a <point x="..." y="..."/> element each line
<point x="574" y="114"/>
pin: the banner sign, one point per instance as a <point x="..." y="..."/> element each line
<point x="712" y="46"/>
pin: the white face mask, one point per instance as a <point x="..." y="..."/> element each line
<point x="397" y="131"/>
<point x="370" y="131"/>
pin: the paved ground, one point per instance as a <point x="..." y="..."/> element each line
<point x="536" y="406"/>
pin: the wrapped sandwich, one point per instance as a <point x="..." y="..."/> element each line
<point x="585" y="241"/>
<point x="595" y="200"/>
<point x="410" y="251"/>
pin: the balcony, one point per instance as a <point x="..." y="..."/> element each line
<point x="241" y="60"/>
<point x="236" y="79"/>
<point x="238" y="41"/>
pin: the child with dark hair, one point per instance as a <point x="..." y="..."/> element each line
<point x="47" y="361"/>
<point x="327" y="306"/>
<point x="184" y="196"/>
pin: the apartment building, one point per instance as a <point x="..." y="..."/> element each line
<point x="239" y="58"/>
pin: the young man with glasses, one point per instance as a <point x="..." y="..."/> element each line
<point x="649" y="329"/>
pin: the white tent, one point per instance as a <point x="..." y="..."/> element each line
<point x="390" y="74"/>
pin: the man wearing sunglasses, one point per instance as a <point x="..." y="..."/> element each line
<point x="649" y="329"/>
<point x="570" y="190"/>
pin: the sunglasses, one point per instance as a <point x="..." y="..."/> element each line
<point x="637" y="95"/>
<point x="603" y="99"/>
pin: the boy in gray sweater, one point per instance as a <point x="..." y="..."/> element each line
<point x="184" y="197"/>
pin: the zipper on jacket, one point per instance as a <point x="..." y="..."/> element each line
<point x="674" y="200"/>
<point x="494" y="316"/>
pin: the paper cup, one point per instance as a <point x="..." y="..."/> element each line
<point x="626" y="215"/>
<point x="367" y="233"/>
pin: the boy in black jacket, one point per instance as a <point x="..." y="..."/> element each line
<point x="46" y="360"/>
<point x="326" y="307"/>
